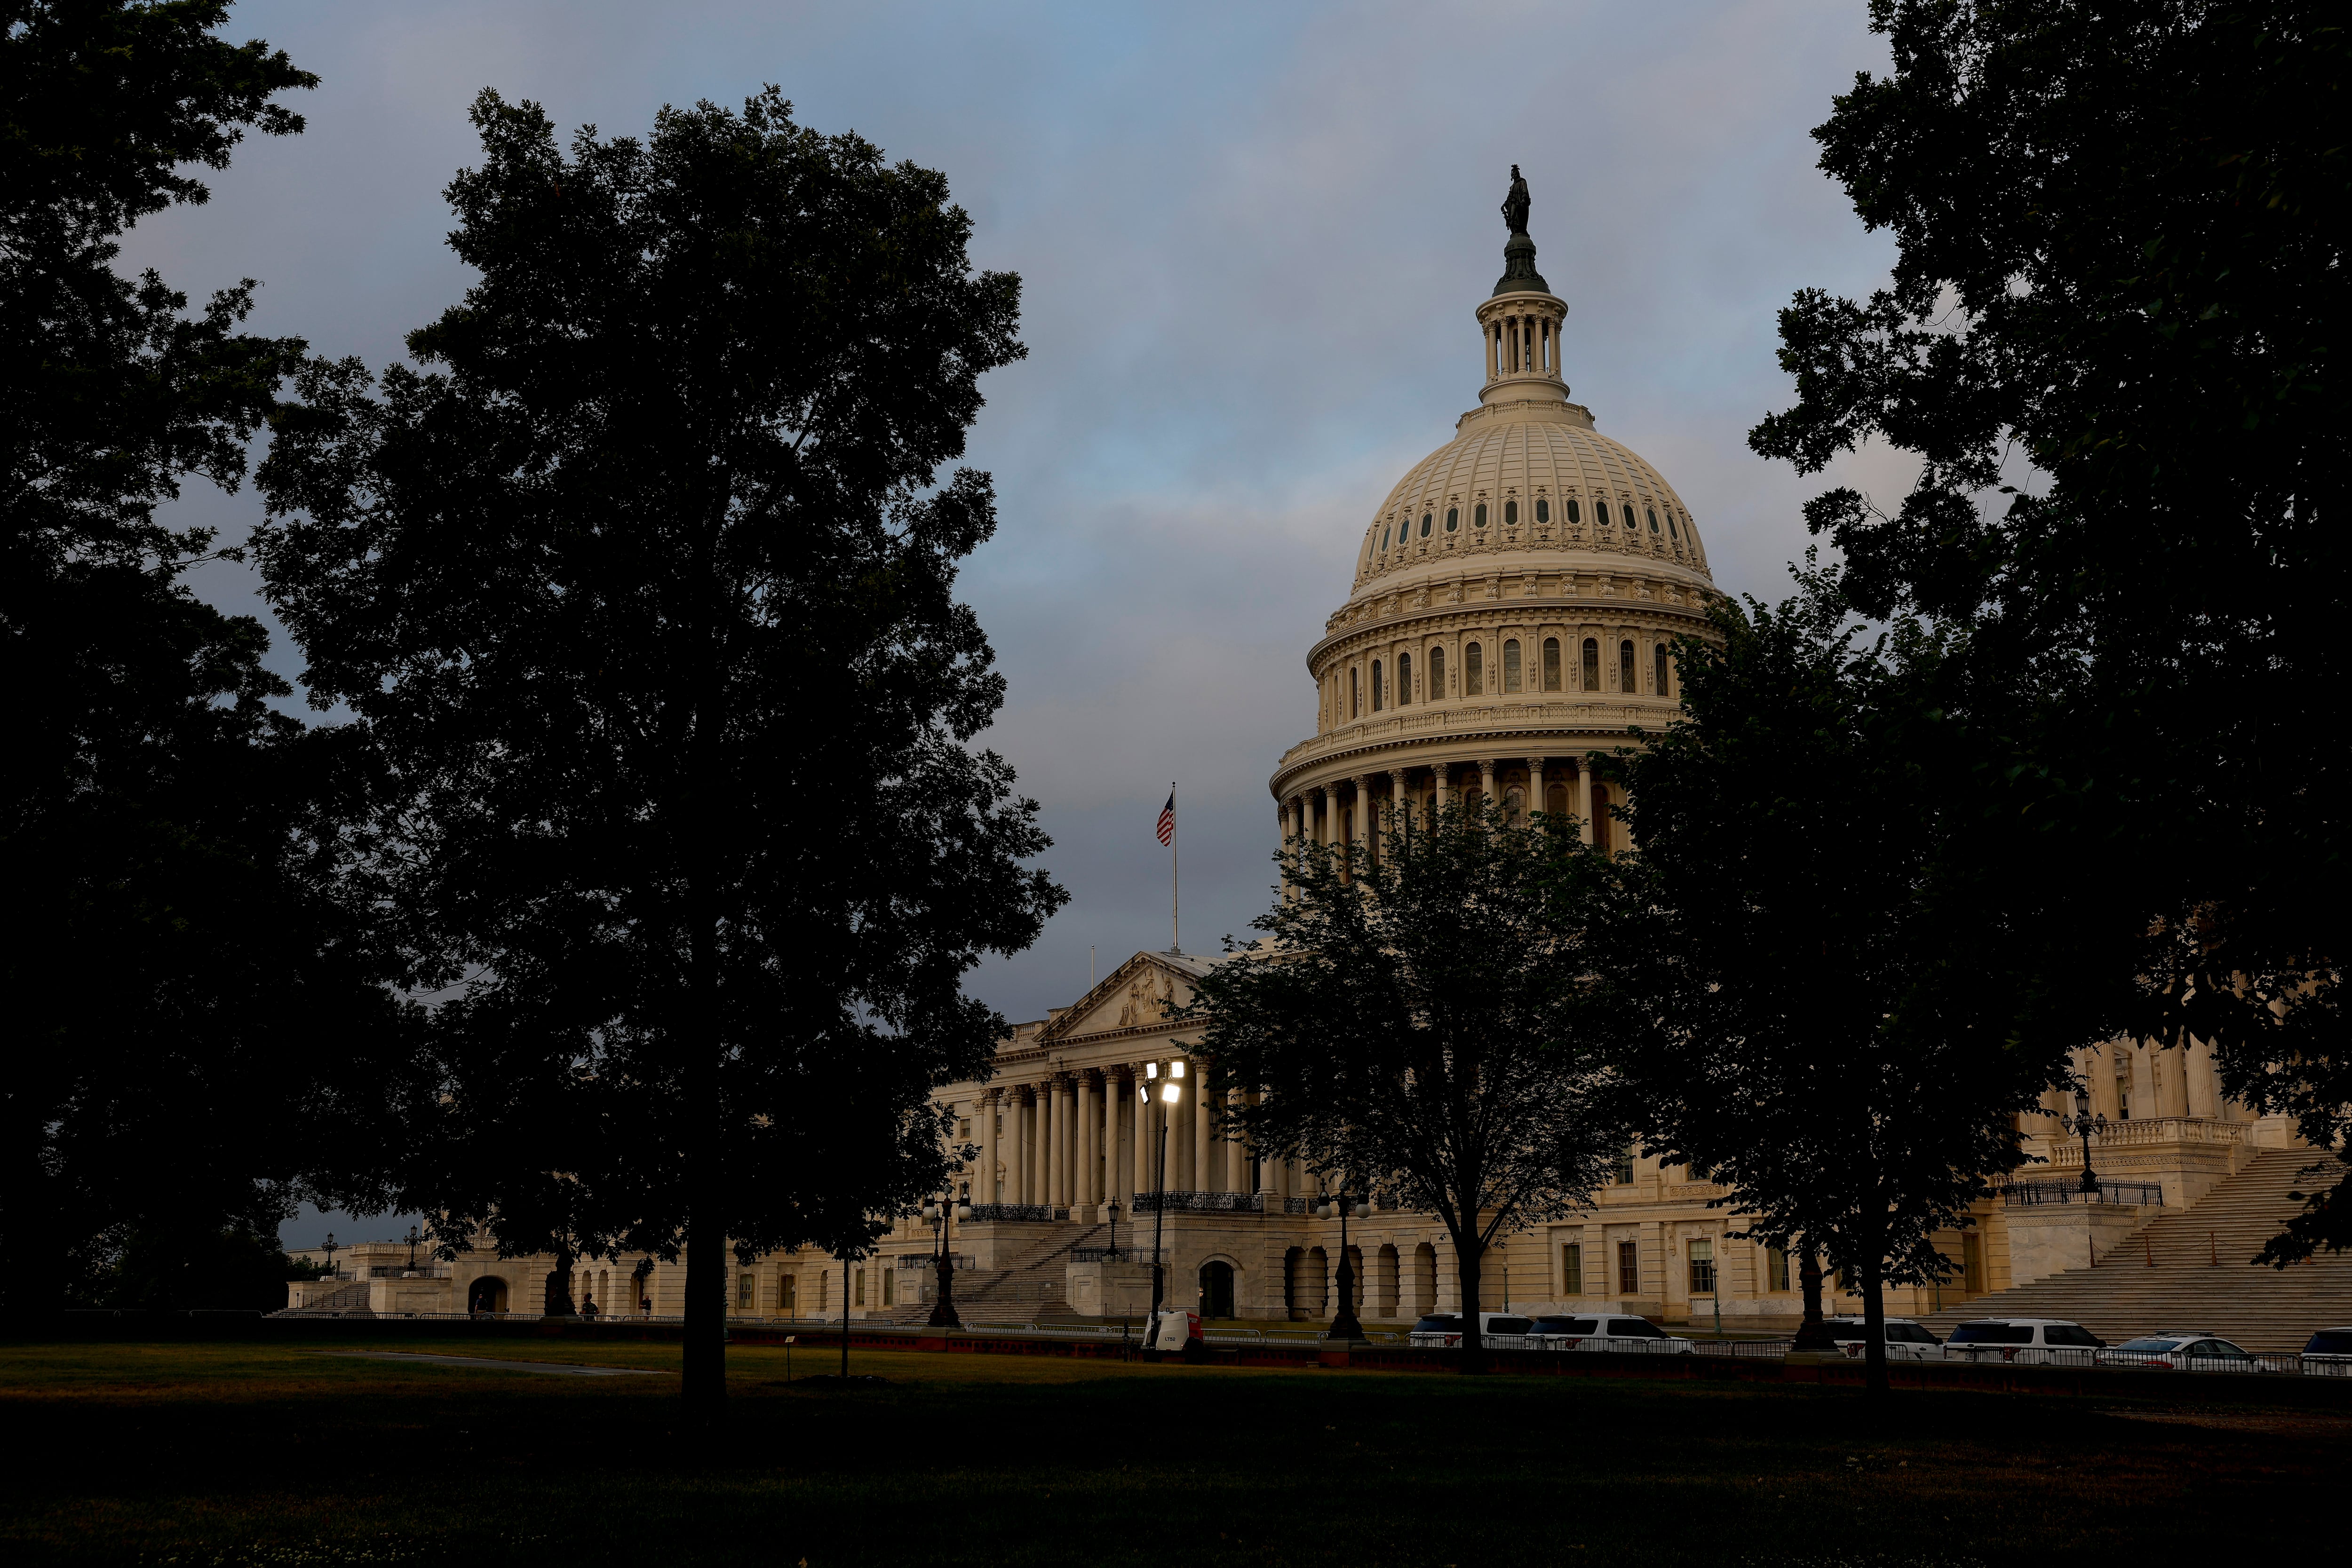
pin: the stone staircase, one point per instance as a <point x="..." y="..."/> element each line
<point x="2188" y="1270"/>
<point x="1032" y="1289"/>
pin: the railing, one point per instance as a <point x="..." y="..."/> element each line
<point x="1200" y="1203"/>
<point x="1114" y="1255"/>
<point x="1297" y="1206"/>
<point x="2035" y="1194"/>
<point x="999" y="1212"/>
<point x="907" y="1260"/>
<point x="2143" y="1130"/>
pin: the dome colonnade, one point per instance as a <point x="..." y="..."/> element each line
<point x="1515" y="604"/>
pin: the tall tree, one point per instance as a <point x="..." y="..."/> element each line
<point x="2112" y="337"/>
<point x="195" y="1012"/>
<point x="1803" y="1005"/>
<point x="1412" y="1020"/>
<point x="645" y="599"/>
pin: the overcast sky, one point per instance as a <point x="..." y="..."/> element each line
<point x="1251" y="238"/>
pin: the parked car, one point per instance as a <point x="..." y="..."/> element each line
<point x="1906" y="1340"/>
<point x="1608" y="1331"/>
<point x="2177" y="1350"/>
<point x="2329" y="1354"/>
<point x="2027" y="1342"/>
<point x="1496" y="1331"/>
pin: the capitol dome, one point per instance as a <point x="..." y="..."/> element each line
<point x="1515" y="600"/>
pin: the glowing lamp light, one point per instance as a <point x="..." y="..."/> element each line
<point x="1176" y="1070"/>
<point x="1170" y="1093"/>
<point x="1151" y="1070"/>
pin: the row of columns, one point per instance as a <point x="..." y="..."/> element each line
<point x="1069" y="1140"/>
<point x="1312" y="815"/>
<point x="2147" y="1079"/>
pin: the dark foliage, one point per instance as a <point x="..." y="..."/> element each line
<point x="644" y="599"/>
<point x="1412" y="1023"/>
<point x="2121" y="279"/>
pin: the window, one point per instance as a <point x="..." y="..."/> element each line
<point x="1479" y="518"/>
<point x="747" y="1287"/>
<point x="1355" y="694"/>
<point x="791" y="1298"/>
<point x="859" y="1299"/>
<point x="1575" y="513"/>
<point x="1623" y="1175"/>
<point x="1625" y="666"/>
<point x="1592" y="664"/>
<point x="1437" y="674"/>
<point x="1424" y="525"/>
<point x="1629" y="1268"/>
<point x="1404" y="679"/>
<point x="1376" y="685"/>
<point x="1474" y="671"/>
<point x="1776" y="1269"/>
<point x="1551" y="663"/>
<point x="1384" y="538"/>
<point x="1600" y="513"/>
<point x="1453" y="518"/>
<point x="1510" y="512"/>
<point x="1511" y="664"/>
<point x="1652" y="513"/>
<point x="1701" y="1267"/>
<point x="1543" y="510"/>
<point x="889" y="1284"/>
<point x="1658" y="662"/>
<point x="1670" y="528"/>
<point x="1625" y="510"/>
<point x="1571" y="1270"/>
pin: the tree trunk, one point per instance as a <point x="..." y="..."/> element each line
<point x="1873" y="1328"/>
<point x="703" y="1390"/>
<point x="1467" y="1266"/>
<point x="1812" y="1334"/>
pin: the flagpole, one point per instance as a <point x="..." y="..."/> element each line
<point x="1175" y="905"/>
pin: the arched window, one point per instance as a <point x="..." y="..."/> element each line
<point x="1575" y="512"/>
<point x="1543" y="510"/>
<point x="1510" y="512"/>
<point x="1478" y="516"/>
<point x="1592" y="664"/>
<point x="1437" y="674"/>
<point x="1404" y="679"/>
<point x="1384" y="538"/>
<point x="1600" y="513"/>
<point x="1658" y="659"/>
<point x="1355" y="694"/>
<point x="1551" y="663"/>
<point x="1453" y="518"/>
<point x="1474" y="671"/>
<point x="1670" y="527"/>
<point x="1625" y="666"/>
<point x="1424" y="525"/>
<point x="1652" y="513"/>
<point x="1625" y="510"/>
<point x="1511" y="665"/>
<point x="1376" y="685"/>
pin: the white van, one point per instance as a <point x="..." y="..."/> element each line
<point x="1496" y="1331"/>
<point x="2024" y="1341"/>
<point x="1609" y="1331"/>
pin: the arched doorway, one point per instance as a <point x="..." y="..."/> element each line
<point x="487" y="1294"/>
<point x="1294" y="1269"/>
<point x="1216" y="1290"/>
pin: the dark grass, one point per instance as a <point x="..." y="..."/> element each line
<point x="269" y="1454"/>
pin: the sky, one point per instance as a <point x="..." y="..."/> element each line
<point x="1251" y="238"/>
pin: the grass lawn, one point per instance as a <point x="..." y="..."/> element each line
<point x="264" y="1454"/>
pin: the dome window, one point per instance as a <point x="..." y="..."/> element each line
<point x="1592" y="664"/>
<point x="1511" y="664"/>
<point x="1670" y="528"/>
<point x="1658" y="653"/>
<point x="1543" y="510"/>
<point x="1652" y="513"/>
<point x="1551" y="663"/>
<point x="1575" y="512"/>
<point x="1474" y="671"/>
<point x="1424" y="525"/>
<point x="1511" y="514"/>
<point x="1453" y="518"/>
<point x="1625" y="510"/>
<point x="1625" y="666"/>
<point x="1404" y="679"/>
<point x="1437" y="674"/>
<point x="1479" y="518"/>
<point x="1376" y="683"/>
<point x="1384" y="538"/>
<point x="1600" y="513"/>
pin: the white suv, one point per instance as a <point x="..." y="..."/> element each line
<point x="1608" y="1331"/>
<point x="1906" y="1340"/>
<point x="2328" y="1353"/>
<point x="2025" y="1341"/>
<point x="1496" y="1331"/>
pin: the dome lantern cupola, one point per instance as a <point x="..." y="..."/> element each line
<point x="1521" y="319"/>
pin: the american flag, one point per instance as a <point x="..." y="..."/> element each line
<point x="1168" y="816"/>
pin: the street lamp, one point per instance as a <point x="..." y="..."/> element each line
<point x="1171" y="1092"/>
<point x="412" y="1248"/>
<point x="939" y="1212"/>
<point x="2086" y="1125"/>
<point x="329" y="1250"/>
<point x="1343" y="1323"/>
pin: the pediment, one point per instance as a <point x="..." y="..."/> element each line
<point x="1136" y="995"/>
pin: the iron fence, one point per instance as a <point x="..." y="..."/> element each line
<point x="1200" y="1203"/>
<point x="2034" y="1194"/>
<point x="998" y="1212"/>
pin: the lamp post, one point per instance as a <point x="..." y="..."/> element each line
<point x="2085" y="1125"/>
<point x="1343" y="1323"/>
<point x="329" y="1250"/>
<point x="939" y="1212"/>
<point x="412" y="1248"/>
<point x="1171" y="1092"/>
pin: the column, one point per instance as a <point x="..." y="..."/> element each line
<point x="2144" y="1097"/>
<point x="1327" y="833"/>
<point x="985" y="1189"/>
<point x="1237" y="1153"/>
<point x="1399" y="804"/>
<point x="2100" y="1068"/>
<point x="1363" y="823"/>
<point x="1016" y="1157"/>
<point x="1486" y="782"/>
<point x="2172" y="1081"/>
<point x="1535" y="784"/>
<point x="1282" y="833"/>
<point x="1089" y="1141"/>
<point x="2204" y="1082"/>
<point x="1582" y="798"/>
<point x="1146" y="1143"/>
<point x="1204" y="1170"/>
